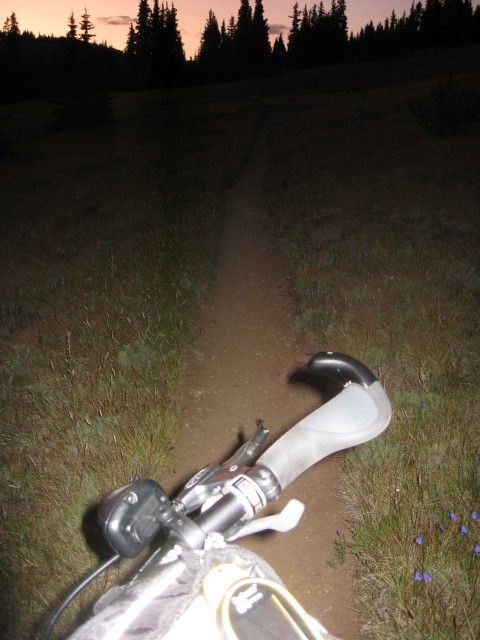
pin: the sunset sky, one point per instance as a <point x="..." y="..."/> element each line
<point x="112" y="17"/>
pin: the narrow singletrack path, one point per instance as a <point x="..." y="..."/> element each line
<point x="238" y="370"/>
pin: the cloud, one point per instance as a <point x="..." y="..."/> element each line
<point x="277" y="29"/>
<point x="117" y="20"/>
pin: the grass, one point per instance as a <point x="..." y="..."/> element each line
<point x="380" y="221"/>
<point x="109" y="237"/>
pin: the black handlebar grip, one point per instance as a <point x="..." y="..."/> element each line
<point x="341" y="368"/>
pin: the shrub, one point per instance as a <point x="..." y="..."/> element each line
<point x="82" y="112"/>
<point x="447" y="109"/>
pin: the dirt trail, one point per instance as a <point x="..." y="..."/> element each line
<point x="239" y="370"/>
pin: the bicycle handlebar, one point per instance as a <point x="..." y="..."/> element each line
<point x="231" y="494"/>
<point x="360" y="412"/>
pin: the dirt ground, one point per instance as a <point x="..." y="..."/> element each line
<point x="240" y="369"/>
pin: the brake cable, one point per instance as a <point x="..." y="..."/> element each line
<point x="74" y="594"/>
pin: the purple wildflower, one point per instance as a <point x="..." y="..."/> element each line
<point x="422" y="576"/>
<point x="453" y="516"/>
<point x="476" y="548"/>
<point x="419" y="539"/>
<point x="474" y="515"/>
<point x="441" y="527"/>
<point x="136" y="478"/>
<point x="424" y="405"/>
<point x="464" y="528"/>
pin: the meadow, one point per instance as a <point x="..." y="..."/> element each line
<point x="108" y="239"/>
<point x="379" y="215"/>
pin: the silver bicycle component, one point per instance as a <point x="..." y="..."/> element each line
<point x="209" y="481"/>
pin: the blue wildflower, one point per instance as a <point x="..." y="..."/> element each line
<point x="453" y="516"/>
<point x="424" y="405"/>
<point x="464" y="528"/>
<point x="419" y="539"/>
<point x="476" y="548"/>
<point x="474" y="515"/>
<point x="422" y="576"/>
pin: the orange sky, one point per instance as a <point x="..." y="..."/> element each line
<point x="112" y="17"/>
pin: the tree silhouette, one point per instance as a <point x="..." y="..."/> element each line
<point x="260" y="43"/>
<point x="86" y="28"/>
<point x="72" y="27"/>
<point x="294" y="37"/>
<point x="242" y="63"/>
<point x="154" y="57"/>
<point x="174" y="52"/>
<point x="210" y="53"/>
<point x="318" y="37"/>
<point x="142" y="33"/>
<point x="440" y="23"/>
<point x="430" y="31"/>
<point x="155" y="48"/>
<point x="11" y="26"/>
<point x="279" y="55"/>
<point x="130" y="46"/>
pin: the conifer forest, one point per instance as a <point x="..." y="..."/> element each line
<point x="153" y="57"/>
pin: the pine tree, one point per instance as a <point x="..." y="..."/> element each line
<point x="261" y="49"/>
<point x="455" y="22"/>
<point x="86" y="28"/>
<point x="130" y="46"/>
<point x="431" y="24"/>
<point x="174" y="52"/>
<point x="209" y="55"/>
<point x="72" y="27"/>
<point x="414" y="22"/>
<point x="226" y="43"/>
<point x="242" y="41"/>
<point x="157" y="42"/>
<point x="142" y="32"/>
<point x="294" y="35"/>
<point x="339" y="29"/>
<point x="232" y="28"/>
<point x="279" y="54"/>
<point x="10" y="26"/>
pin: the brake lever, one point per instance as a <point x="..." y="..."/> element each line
<point x="248" y="452"/>
<point x="284" y="521"/>
<point x="209" y="481"/>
